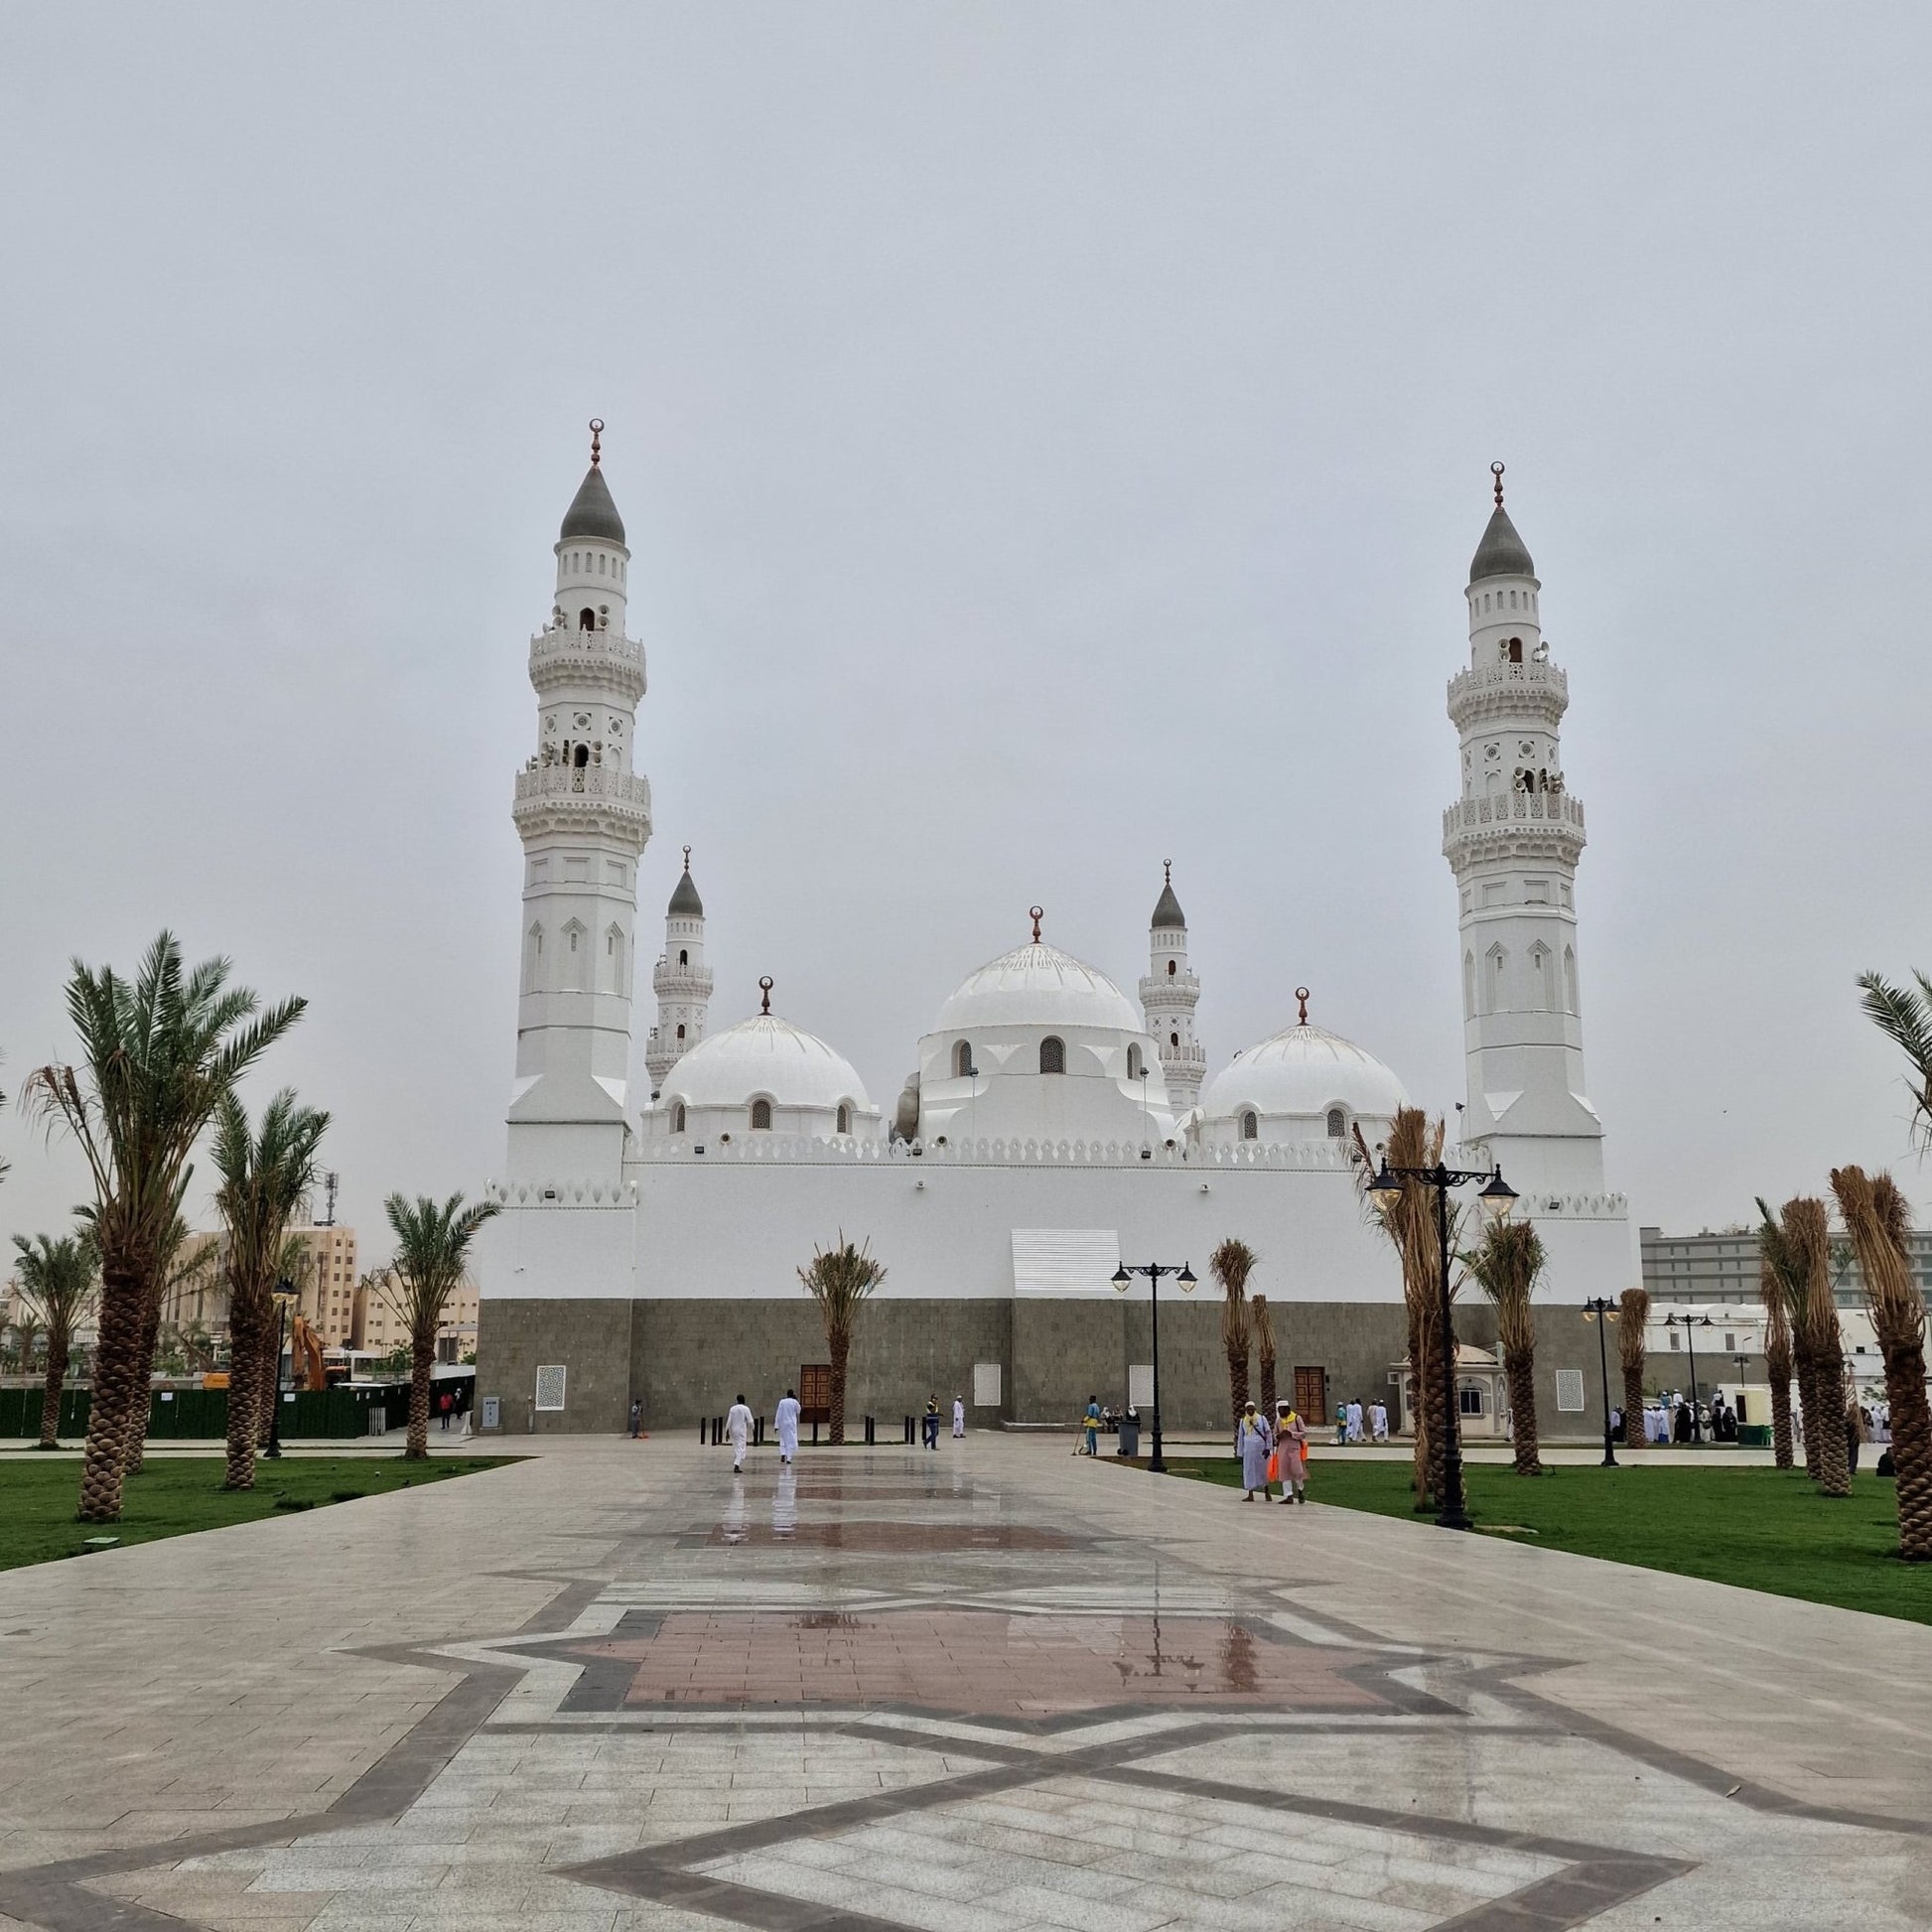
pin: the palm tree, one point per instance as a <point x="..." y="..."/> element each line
<point x="1880" y="1226"/>
<point x="175" y="1265"/>
<point x="1633" y="1317"/>
<point x="29" y="1334"/>
<point x="1903" y="1014"/>
<point x="1231" y="1264"/>
<point x="1775" y="1291"/>
<point x="1808" y="1246"/>
<point x="839" y="1279"/>
<point x="1507" y="1262"/>
<point x="1264" y="1352"/>
<point x="56" y="1281"/>
<point x="432" y="1253"/>
<point x="157" y="1054"/>
<point x="266" y="1177"/>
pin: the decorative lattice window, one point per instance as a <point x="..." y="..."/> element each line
<point x="1570" y="1390"/>
<point x="761" y="1116"/>
<point x="1052" y="1054"/>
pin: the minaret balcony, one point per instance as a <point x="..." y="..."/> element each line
<point x="1184" y="989"/>
<point x="681" y="982"/>
<point x="588" y="798"/>
<point x="605" y="656"/>
<point x="1546" y="826"/>
<point x="1189" y="1057"/>
<point x="1508" y="691"/>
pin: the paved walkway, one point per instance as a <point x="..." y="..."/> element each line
<point x="995" y="1688"/>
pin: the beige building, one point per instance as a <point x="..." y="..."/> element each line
<point x="379" y="1329"/>
<point x="325" y="1285"/>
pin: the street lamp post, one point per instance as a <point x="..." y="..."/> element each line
<point x="1603" y="1312"/>
<point x="274" y="1450"/>
<point x="1154" y="1269"/>
<point x="1690" y="1323"/>
<point x="1741" y="1361"/>
<point x="1494" y="1204"/>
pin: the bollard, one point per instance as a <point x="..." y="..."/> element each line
<point x="869" y="1439"/>
<point x="909" y="1428"/>
<point x="814" y="1432"/>
<point x="717" y="1430"/>
<point x="758" y="1433"/>
<point x="701" y="1431"/>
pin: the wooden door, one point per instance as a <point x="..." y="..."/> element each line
<point x="815" y="1392"/>
<point x="1311" y="1395"/>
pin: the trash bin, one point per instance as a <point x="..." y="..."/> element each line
<point x="1753" y="1435"/>
<point x="1130" y="1435"/>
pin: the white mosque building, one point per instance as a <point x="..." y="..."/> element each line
<point x="1053" y="1127"/>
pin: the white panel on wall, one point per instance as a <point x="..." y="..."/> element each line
<point x="986" y="1385"/>
<point x="1570" y="1390"/>
<point x="550" y="1385"/>
<point x="1064" y="1261"/>
<point x="1140" y="1385"/>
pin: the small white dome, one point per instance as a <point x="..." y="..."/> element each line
<point x="768" y="1057"/>
<point x="1300" y="1074"/>
<point x="1038" y="984"/>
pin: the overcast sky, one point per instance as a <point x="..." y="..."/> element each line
<point x="1051" y="437"/>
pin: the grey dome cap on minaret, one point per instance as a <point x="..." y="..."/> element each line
<point x="1501" y="553"/>
<point x="685" y="902"/>
<point x="592" y="513"/>
<point x="1167" y="909"/>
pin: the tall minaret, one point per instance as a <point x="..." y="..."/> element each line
<point x="1513" y="841"/>
<point x="1169" y="996"/>
<point x="681" y="979"/>
<point x="583" y="817"/>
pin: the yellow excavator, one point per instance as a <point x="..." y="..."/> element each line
<point x="304" y="1356"/>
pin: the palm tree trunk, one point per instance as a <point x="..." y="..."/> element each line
<point x="117" y="1376"/>
<point x="422" y="1358"/>
<point x="1833" y="1459"/>
<point x="1633" y="1435"/>
<point x="1520" y="1368"/>
<point x="1418" y="1413"/>
<point x="244" y="1378"/>
<point x="838" y="1343"/>
<point x="267" y="1373"/>
<point x="1238" y="1378"/>
<point x="1434" y="1404"/>
<point x="1777" y="1367"/>
<point x="1911" y="1447"/>
<point x="150" y="1338"/>
<point x="1808" y="1410"/>
<point x="56" y="1375"/>
<point x="1270" y="1393"/>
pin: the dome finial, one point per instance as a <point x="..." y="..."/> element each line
<point x="1167" y="872"/>
<point x="597" y="444"/>
<point x="1036" y="914"/>
<point x="1496" y="471"/>
<point x="687" y="857"/>
<point x="765" y="988"/>
<point x="1301" y="999"/>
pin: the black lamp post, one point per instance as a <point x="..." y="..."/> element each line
<point x="1154" y="1269"/>
<point x="1741" y="1361"/>
<point x="283" y="1289"/>
<point x="1690" y="1323"/>
<point x="1494" y="1204"/>
<point x="1603" y="1312"/>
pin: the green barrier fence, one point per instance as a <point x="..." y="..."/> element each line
<point x="201" y="1415"/>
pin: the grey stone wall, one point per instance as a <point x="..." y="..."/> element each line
<point x="592" y="1338"/>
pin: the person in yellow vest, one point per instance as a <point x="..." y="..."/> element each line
<point x="1291" y="1450"/>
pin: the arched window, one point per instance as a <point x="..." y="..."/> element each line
<point x="1250" y="1125"/>
<point x="1338" y="1123"/>
<point x="587" y="619"/>
<point x="761" y="1116"/>
<point x="1132" y="1063"/>
<point x="603" y="564"/>
<point x="1172" y="968"/>
<point x="1173" y="1040"/>
<point x="614" y="958"/>
<point x="1468" y="985"/>
<point x="580" y="756"/>
<point x="681" y="1033"/>
<point x="677" y="1118"/>
<point x="1515" y="647"/>
<point x="1569" y="980"/>
<point x="1052" y="1054"/>
<point x="534" y="960"/>
<point x="577" y="959"/>
<point x="845" y="1118"/>
<point x="962" y="1060"/>
<point x="1540" y="977"/>
<point x="684" y="955"/>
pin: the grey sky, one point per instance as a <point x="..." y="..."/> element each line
<point x="1052" y="439"/>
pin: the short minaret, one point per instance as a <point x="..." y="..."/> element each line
<point x="1513" y="840"/>
<point x="681" y="979"/>
<point x="1169" y="996"/>
<point x="584" y="816"/>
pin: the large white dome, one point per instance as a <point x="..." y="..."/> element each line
<point x="1038" y="984"/>
<point x="764" y="1058"/>
<point x="1300" y="1075"/>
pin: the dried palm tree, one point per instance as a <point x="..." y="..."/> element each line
<point x="1879" y="1226"/>
<point x="431" y="1254"/>
<point x="265" y="1176"/>
<point x="1775" y="1291"/>
<point x="1263" y="1331"/>
<point x="157" y="1054"/>
<point x="839" y="1279"/>
<point x="1231" y="1264"/>
<point x="1633" y="1317"/>
<point x="56" y="1281"/>
<point x="1903" y="1014"/>
<point x="1806" y="1240"/>
<point x="1505" y="1264"/>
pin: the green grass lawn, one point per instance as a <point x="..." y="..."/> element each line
<point x="177" y="1496"/>
<point x="1759" y="1528"/>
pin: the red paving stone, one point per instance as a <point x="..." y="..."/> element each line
<point x="983" y="1662"/>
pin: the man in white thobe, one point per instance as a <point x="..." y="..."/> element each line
<point x="958" y="1417"/>
<point x="788" y="1419"/>
<point x="738" y="1425"/>
<point x="1355" y="1421"/>
<point x="1378" y="1422"/>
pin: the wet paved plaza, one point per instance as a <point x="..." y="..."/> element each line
<point x="996" y="1687"/>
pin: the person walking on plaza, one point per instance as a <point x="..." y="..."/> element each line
<point x="1355" y="1421"/>
<point x="1252" y="1442"/>
<point x="636" y="1420"/>
<point x="786" y="1418"/>
<point x="738" y="1425"/>
<point x="1292" y="1448"/>
<point x="1341" y="1424"/>
<point x="1090" y="1422"/>
<point x="1378" y="1422"/>
<point x="932" y="1422"/>
<point x="958" y="1418"/>
<point x="445" y="1403"/>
